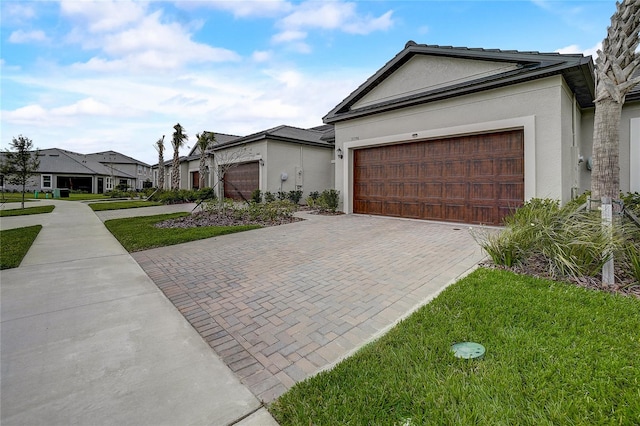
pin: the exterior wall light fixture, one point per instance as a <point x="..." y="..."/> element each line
<point x="261" y="161"/>
<point x="339" y="153"/>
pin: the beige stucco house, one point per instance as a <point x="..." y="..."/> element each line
<point x="465" y="135"/>
<point x="283" y="158"/>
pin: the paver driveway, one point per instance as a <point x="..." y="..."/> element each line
<point x="282" y="303"/>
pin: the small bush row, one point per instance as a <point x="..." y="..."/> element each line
<point x="328" y="200"/>
<point x="182" y="195"/>
<point x="252" y="212"/>
<point x="268" y="197"/>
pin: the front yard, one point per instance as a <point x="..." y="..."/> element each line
<point x="15" y="244"/>
<point x="555" y="354"/>
<point x="140" y="233"/>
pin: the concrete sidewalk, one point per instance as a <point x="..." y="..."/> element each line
<point x="87" y="338"/>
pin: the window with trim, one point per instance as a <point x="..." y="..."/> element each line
<point x="109" y="184"/>
<point x="46" y="181"/>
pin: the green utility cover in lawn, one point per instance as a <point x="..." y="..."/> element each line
<point x="468" y="350"/>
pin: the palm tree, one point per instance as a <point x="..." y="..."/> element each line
<point x="179" y="138"/>
<point x="205" y="141"/>
<point x="159" y="146"/>
<point x="616" y="65"/>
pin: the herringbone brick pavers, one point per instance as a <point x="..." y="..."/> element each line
<point x="282" y="303"/>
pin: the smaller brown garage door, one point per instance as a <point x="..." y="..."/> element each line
<point x="471" y="179"/>
<point x="240" y="181"/>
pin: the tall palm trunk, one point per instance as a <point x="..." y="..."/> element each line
<point x="160" y="148"/>
<point x="179" y="137"/>
<point x="605" y="176"/>
<point x="203" y="170"/>
<point x="175" y="169"/>
<point x="616" y="66"/>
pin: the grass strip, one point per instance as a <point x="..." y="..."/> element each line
<point x="15" y="243"/>
<point x="27" y="211"/>
<point x="555" y="354"/>
<point x="139" y="233"/>
<point x="118" y="205"/>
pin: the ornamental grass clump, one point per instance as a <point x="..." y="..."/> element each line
<point x="567" y="242"/>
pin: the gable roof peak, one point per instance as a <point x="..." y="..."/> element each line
<point x="576" y="69"/>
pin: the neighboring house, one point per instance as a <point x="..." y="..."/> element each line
<point x="283" y="158"/>
<point x="92" y="173"/>
<point x="189" y="165"/>
<point x="142" y="172"/>
<point x="466" y="135"/>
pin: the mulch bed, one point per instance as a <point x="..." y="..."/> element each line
<point x="205" y="218"/>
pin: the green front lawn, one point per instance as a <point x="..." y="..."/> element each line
<point x="555" y="354"/>
<point x="15" y="243"/>
<point x="138" y="233"/>
<point x="117" y="205"/>
<point x="11" y="197"/>
<point x="26" y="211"/>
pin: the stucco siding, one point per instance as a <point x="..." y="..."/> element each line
<point x="535" y="106"/>
<point x="422" y="73"/>
<point x="308" y="168"/>
<point x="627" y="161"/>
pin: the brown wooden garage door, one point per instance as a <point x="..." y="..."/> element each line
<point x="471" y="179"/>
<point x="240" y="181"/>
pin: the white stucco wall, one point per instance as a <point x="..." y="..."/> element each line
<point x="422" y="73"/>
<point x="538" y="107"/>
<point x="629" y="157"/>
<point x="308" y="167"/>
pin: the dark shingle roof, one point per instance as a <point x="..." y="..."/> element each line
<point x="576" y="69"/>
<point x="313" y="136"/>
<point x="60" y="161"/>
<point x="220" y="139"/>
<point x="114" y="157"/>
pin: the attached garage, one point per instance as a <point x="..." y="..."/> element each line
<point x="471" y="179"/>
<point x="241" y="180"/>
<point x="465" y="135"/>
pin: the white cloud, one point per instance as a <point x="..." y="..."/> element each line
<point x="20" y="36"/>
<point x="334" y="15"/>
<point x="16" y="13"/>
<point x="103" y="16"/>
<point x="88" y="106"/>
<point x="244" y="8"/>
<point x="290" y="35"/>
<point x="29" y="113"/>
<point x="261" y="55"/>
<point x="150" y="45"/>
<point x="574" y="48"/>
<point x="369" y="24"/>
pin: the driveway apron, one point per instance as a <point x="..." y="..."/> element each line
<point x="280" y="304"/>
<point x="87" y="338"/>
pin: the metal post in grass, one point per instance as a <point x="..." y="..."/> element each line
<point x="608" y="277"/>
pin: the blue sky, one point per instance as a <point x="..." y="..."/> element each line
<point x="89" y="76"/>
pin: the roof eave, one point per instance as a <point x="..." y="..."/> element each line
<point x="504" y="80"/>
<point x="543" y="61"/>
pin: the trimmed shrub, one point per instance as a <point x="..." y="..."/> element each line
<point x="295" y="196"/>
<point x="269" y="197"/>
<point x="256" y="196"/>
